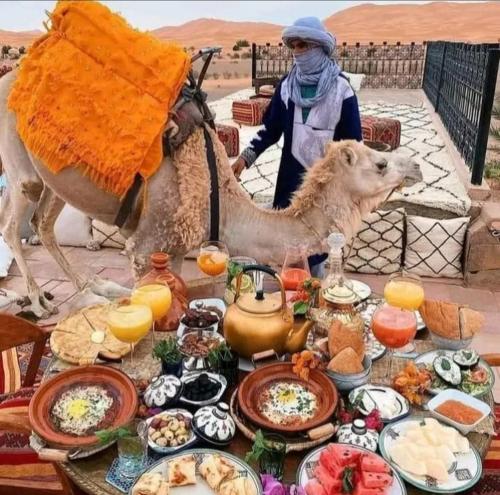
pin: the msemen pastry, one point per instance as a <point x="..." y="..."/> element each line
<point x="215" y="469"/>
<point x="182" y="471"/>
<point x="151" y="484"/>
<point x="237" y="486"/>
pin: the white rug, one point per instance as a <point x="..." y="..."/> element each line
<point x="441" y="188"/>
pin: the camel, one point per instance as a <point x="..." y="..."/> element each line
<point x="349" y="182"/>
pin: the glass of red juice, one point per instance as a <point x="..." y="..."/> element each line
<point x="394" y="328"/>
<point x="295" y="267"/>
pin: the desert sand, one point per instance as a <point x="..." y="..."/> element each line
<point x="473" y="22"/>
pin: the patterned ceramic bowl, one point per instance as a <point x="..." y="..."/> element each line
<point x="348" y="382"/>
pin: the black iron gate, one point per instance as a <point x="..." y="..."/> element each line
<point x="459" y="80"/>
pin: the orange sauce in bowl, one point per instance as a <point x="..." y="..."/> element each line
<point x="459" y="412"/>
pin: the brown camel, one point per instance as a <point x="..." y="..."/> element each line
<point x="337" y="192"/>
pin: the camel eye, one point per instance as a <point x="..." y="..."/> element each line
<point x="382" y="164"/>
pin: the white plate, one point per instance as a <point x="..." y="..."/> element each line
<point x="459" y="396"/>
<point x="170" y="450"/>
<point x="427" y="358"/>
<point x="201" y="487"/>
<point x="380" y="394"/>
<point x="310" y="461"/>
<point x="361" y="289"/>
<point x="464" y="473"/>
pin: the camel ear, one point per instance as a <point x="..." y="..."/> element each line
<point x="348" y="155"/>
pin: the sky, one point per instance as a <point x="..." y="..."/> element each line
<point x="28" y="15"/>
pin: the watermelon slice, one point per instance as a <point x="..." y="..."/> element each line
<point x="373" y="464"/>
<point x="328" y="460"/>
<point x="345" y="455"/>
<point x="376" y="480"/>
<point x="330" y="484"/>
<point x="314" y="487"/>
<point x="362" y="490"/>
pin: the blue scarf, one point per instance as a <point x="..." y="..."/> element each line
<point x="312" y="68"/>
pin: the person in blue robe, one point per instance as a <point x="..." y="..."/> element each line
<point x="312" y="105"/>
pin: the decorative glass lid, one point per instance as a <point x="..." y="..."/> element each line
<point x="340" y="294"/>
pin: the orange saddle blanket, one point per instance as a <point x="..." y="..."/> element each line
<point x="94" y="92"/>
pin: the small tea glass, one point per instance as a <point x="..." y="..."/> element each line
<point x="132" y="449"/>
<point x="272" y="459"/>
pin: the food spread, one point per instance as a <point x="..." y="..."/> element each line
<point x="287" y="403"/>
<point x="459" y="412"/>
<point x="81" y="410"/>
<point x="199" y="346"/>
<point x="170" y="430"/>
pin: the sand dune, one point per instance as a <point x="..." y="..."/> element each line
<point x="364" y="23"/>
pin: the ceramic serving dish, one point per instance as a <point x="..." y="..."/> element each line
<point x="120" y="385"/>
<point x="191" y="376"/>
<point x="163" y="391"/>
<point x="191" y="437"/>
<point x="254" y="391"/>
<point x="346" y="382"/>
<point x="201" y="487"/>
<point x="214" y="424"/>
<point x="466" y="399"/>
<point x="208" y="302"/>
<point x="356" y="433"/>
<point x="391" y="404"/>
<point x="451" y="344"/>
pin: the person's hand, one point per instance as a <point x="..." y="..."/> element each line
<point x="238" y="166"/>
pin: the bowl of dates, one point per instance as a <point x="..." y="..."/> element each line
<point x="198" y="343"/>
<point x="200" y="318"/>
<point x="202" y="388"/>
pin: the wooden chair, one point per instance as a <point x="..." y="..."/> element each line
<point x="15" y="476"/>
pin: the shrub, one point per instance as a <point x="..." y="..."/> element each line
<point x="246" y="55"/>
<point x="236" y="48"/>
<point x="236" y="55"/>
<point x="215" y="75"/>
<point x="227" y="75"/>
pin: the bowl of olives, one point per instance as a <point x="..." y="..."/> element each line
<point x="202" y="388"/>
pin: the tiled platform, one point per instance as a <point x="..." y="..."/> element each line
<point x="109" y="263"/>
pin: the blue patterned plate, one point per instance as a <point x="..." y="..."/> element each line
<point x="464" y="473"/>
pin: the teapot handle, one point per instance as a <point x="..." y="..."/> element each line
<point x="260" y="294"/>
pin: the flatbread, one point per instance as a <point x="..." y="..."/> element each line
<point x="470" y="322"/>
<point x="182" y="471"/>
<point x="341" y="336"/>
<point x="215" y="469"/>
<point x="346" y="362"/>
<point x="237" y="486"/>
<point x="71" y="340"/>
<point x="150" y="484"/>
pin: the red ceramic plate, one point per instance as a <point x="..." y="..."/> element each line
<point x="251" y="388"/>
<point x="41" y="404"/>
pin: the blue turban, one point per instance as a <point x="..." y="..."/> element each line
<point x="312" y="30"/>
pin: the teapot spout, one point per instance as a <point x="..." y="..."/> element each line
<point x="297" y="336"/>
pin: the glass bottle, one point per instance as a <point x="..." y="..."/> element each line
<point x="336" y="276"/>
<point x="161" y="273"/>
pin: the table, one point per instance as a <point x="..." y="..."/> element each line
<point x="89" y="474"/>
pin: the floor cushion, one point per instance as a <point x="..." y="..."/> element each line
<point x="382" y="130"/>
<point x="19" y="463"/>
<point x="107" y="235"/>
<point x="230" y="138"/>
<point x="434" y="247"/>
<point x="250" y="112"/>
<point x="378" y="246"/>
<point x="73" y="228"/>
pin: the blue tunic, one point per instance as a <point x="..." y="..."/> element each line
<point x="280" y="119"/>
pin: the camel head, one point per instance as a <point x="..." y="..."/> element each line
<point x="349" y="182"/>
<point x="366" y="173"/>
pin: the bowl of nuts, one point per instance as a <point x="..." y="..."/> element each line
<point x="170" y="431"/>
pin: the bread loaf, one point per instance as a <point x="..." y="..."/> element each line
<point x="346" y="362"/>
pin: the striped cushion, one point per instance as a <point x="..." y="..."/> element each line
<point x="19" y="464"/>
<point x="250" y="112"/>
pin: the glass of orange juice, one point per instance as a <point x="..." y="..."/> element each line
<point x="404" y="291"/>
<point x="130" y="323"/>
<point x="157" y="297"/>
<point x="212" y="259"/>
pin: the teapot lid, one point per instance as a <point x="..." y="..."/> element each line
<point x="340" y="294"/>
<point x="258" y="303"/>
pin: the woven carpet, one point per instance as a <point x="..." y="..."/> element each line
<point x="490" y="482"/>
<point x="441" y="189"/>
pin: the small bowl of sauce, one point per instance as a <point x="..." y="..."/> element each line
<point x="459" y="410"/>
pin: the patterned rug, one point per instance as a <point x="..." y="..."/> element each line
<point x="490" y="482"/>
<point x="441" y="190"/>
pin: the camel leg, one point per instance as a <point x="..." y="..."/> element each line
<point x="13" y="209"/>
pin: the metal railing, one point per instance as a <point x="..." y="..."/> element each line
<point x="384" y="65"/>
<point x="459" y="80"/>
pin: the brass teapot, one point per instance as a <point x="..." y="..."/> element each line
<point x="258" y="322"/>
